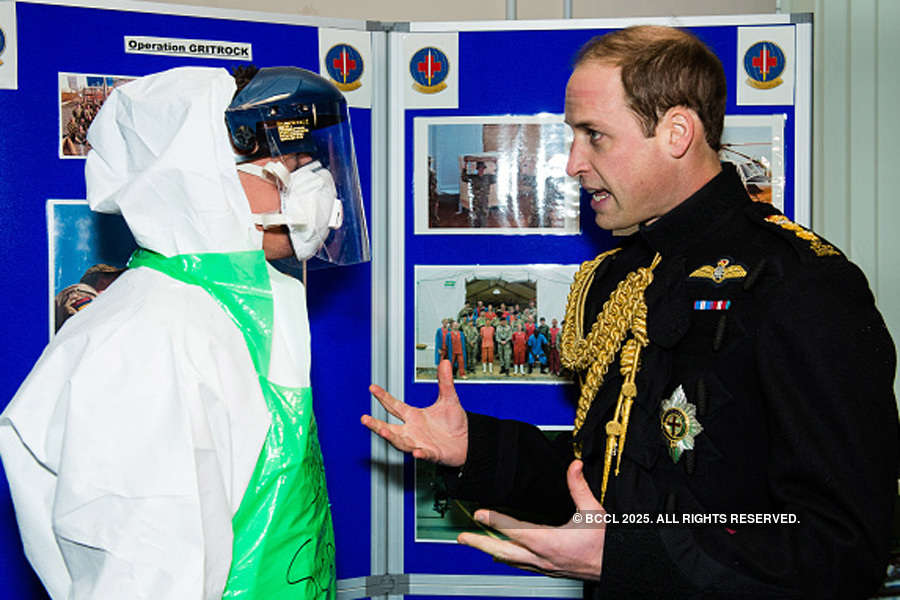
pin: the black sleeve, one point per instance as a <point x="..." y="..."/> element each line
<point x="510" y="463"/>
<point x="514" y="464"/>
<point x="826" y="362"/>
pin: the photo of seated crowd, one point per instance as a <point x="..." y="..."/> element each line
<point x="515" y="341"/>
<point x="501" y="332"/>
<point x="80" y="99"/>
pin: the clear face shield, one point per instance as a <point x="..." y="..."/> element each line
<point x="292" y="128"/>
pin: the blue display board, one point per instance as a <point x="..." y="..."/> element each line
<point x="54" y="40"/>
<point x="495" y="75"/>
<point x="524" y="73"/>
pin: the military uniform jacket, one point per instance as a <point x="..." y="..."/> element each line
<point x="790" y="369"/>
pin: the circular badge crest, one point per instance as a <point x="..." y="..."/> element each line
<point x="764" y="63"/>
<point x="344" y="65"/>
<point x="429" y="68"/>
<point x="680" y="426"/>
<point x="675" y="424"/>
<point x="2" y="43"/>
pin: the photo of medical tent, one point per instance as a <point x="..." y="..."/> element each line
<point x="460" y="148"/>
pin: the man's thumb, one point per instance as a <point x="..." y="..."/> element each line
<point x="445" y="380"/>
<point x="579" y="489"/>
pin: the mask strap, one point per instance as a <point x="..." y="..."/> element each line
<point x="280" y="172"/>
<point x="273" y="170"/>
<point x="251" y="169"/>
<point x="268" y="172"/>
<point x="337" y="214"/>
<point x="313" y="165"/>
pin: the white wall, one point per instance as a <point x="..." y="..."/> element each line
<point x="856" y="132"/>
<point x="482" y="10"/>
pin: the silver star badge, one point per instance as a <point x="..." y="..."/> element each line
<point x="679" y="423"/>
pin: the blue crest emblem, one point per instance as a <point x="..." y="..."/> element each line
<point x="429" y="68"/>
<point x="344" y="65"/>
<point x="2" y="43"/>
<point x="764" y="63"/>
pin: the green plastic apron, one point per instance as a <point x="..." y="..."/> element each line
<point x="283" y="537"/>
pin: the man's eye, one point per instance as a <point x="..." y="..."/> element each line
<point x="595" y="136"/>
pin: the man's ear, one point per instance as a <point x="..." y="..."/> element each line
<point x="679" y="127"/>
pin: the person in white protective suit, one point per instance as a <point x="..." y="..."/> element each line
<point x="164" y="444"/>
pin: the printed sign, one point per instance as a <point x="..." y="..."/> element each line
<point x="193" y="48"/>
<point x="432" y="67"/>
<point x="345" y="59"/>
<point x="765" y="70"/>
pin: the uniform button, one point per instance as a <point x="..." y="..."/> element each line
<point x="671" y="503"/>
<point x="690" y="462"/>
<point x="754" y="274"/>
<point x="701" y="397"/>
<point x="720" y="333"/>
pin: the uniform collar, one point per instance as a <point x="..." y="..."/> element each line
<point x="698" y="216"/>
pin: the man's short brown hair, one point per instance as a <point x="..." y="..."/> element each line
<point x="664" y="67"/>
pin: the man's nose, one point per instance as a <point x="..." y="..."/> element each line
<point x="576" y="163"/>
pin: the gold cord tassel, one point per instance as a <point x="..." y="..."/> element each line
<point x="624" y="312"/>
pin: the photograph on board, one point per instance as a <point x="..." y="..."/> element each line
<point x="80" y="98"/>
<point x="88" y="251"/>
<point x="493" y="175"/>
<point x="440" y="518"/>
<point x="495" y="323"/>
<point x="755" y="144"/>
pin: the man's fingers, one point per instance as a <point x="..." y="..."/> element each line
<point x="377" y="426"/>
<point x="579" y="489"/>
<point x="372" y="423"/>
<point x="503" y="550"/>
<point x="391" y="432"/>
<point x="445" y="380"/>
<point x="390" y="404"/>
<point x="526" y="534"/>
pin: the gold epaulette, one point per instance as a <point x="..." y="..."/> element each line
<point x="816" y="244"/>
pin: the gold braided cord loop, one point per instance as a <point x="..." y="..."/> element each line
<point x="572" y="348"/>
<point x="625" y="311"/>
<point x="596" y="351"/>
<point x="629" y="356"/>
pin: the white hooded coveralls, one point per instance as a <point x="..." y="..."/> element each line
<point x="129" y="446"/>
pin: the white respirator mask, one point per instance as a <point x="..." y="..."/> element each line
<point x="310" y="207"/>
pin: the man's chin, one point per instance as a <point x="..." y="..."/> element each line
<point x="616" y="226"/>
<point x="608" y="222"/>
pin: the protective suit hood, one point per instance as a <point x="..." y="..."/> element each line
<point x="160" y="156"/>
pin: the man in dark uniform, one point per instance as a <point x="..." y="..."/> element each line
<point x="503" y="337"/>
<point x="736" y="377"/>
<point x="480" y="195"/>
<point x="473" y="342"/>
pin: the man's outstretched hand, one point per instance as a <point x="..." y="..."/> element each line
<point x="438" y="433"/>
<point x="573" y="550"/>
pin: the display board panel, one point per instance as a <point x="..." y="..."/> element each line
<point x="519" y="73"/>
<point x="68" y="53"/>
